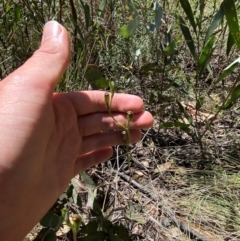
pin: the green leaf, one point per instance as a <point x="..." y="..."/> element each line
<point x="102" y="7"/>
<point x="75" y="194"/>
<point x="167" y="125"/>
<point x="232" y="20"/>
<point x="95" y="77"/>
<point x="91" y="227"/>
<point x="120" y="230"/>
<point x="114" y="237"/>
<point x="188" y="10"/>
<point x="76" y="198"/>
<point x="86" y="9"/>
<point x="49" y="236"/>
<point x="187" y="116"/>
<point x="183" y="126"/>
<point x="151" y="67"/>
<point x="17" y="13"/>
<point x="131" y="7"/>
<point x="199" y="103"/>
<point x="96" y="210"/>
<point x="50" y="220"/>
<point x="205" y="55"/>
<point x="235" y="95"/>
<point x="188" y="37"/>
<point x="69" y="191"/>
<point x="87" y="15"/>
<point x="158" y="11"/>
<point x="170" y="49"/>
<point x="96" y="236"/>
<point x="230" y="43"/>
<point x="127" y="30"/>
<point x="132" y="212"/>
<point x="138" y="217"/>
<point x="91" y="188"/>
<point x="158" y="15"/>
<point x="107" y="225"/>
<point x="218" y="17"/>
<point x="228" y="70"/>
<point x="89" y="183"/>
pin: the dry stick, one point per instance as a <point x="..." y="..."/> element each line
<point x="183" y="227"/>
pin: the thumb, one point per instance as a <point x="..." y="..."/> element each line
<point x="48" y="63"/>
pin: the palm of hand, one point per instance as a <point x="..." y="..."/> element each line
<point x="46" y="138"/>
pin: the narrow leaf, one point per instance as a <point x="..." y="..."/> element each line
<point x="102" y="6"/>
<point x="232" y="20"/>
<point x="96" y="236"/>
<point x="86" y="9"/>
<point x="230" y="43"/>
<point x="87" y="15"/>
<point x="228" y="70"/>
<point x="131" y="7"/>
<point x="187" y="116"/>
<point x="17" y="13"/>
<point x="151" y="67"/>
<point x="170" y="49"/>
<point x="158" y="16"/>
<point x="50" y="220"/>
<point x="167" y="125"/>
<point x="205" y="55"/>
<point x="235" y="95"/>
<point x="215" y="23"/>
<point x="188" y="10"/>
<point x="120" y="230"/>
<point x="188" y="37"/>
<point x="50" y="236"/>
<point x="127" y="30"/>
<point x="199" y="103"/>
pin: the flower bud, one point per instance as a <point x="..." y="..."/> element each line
<point x="76" y="221"/>
<point x="130" y="115"/>
<point x="112" y="87"/>
<point x="107" y="99"/>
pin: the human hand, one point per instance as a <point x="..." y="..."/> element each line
<point x="47" y="138"/>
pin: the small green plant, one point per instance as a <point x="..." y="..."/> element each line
<point x="96" y="79"/>
<point x="126" y="131"/>
<point x="74" y="221"/>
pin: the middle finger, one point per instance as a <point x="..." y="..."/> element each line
<point x="98" y="122"/>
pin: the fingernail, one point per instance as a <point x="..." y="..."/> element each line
<point x="52" y="29"/>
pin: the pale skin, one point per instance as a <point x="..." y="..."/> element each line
<point x="46" y="138"/>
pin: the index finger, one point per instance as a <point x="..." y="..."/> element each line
<point x="86" y="102"/>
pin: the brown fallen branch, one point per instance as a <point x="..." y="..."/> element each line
<point x="181" y="225"/>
